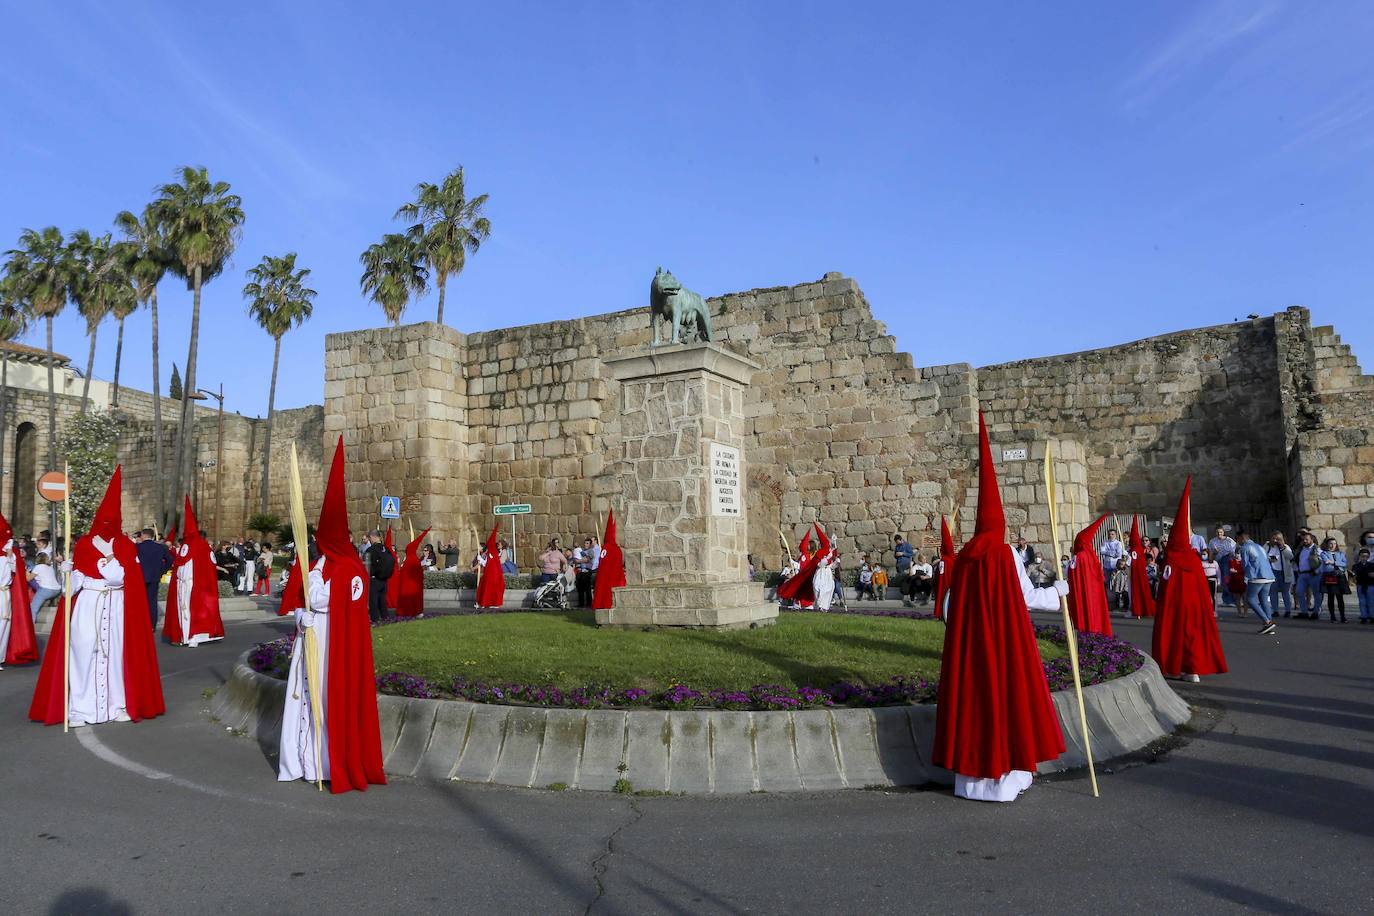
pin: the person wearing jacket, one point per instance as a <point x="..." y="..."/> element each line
<point x="1334" y="578"/>
<point x="1259" y="578"/>
<point x="1281" y="561"/>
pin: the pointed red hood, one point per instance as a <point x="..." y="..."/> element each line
<point x="1180" y="536"/>
<point x="192" y="532"/>
<point x="804" y="548"/>
<point x="491" y="540"/>
<point x="946" y="538"/>
<point x="1137" y="544"/>
<point x="1086" y="539"/>
<point x="6" y="532"/>
<point x="331" y="534"/>
<point x="108" y="524"/>
<point x="390" y="548"/>
<point x="413" y="547"/>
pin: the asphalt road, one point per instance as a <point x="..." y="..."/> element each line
<point x="1267" y="806"/>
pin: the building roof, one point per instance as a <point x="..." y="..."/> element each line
<point x="31" y="354"/>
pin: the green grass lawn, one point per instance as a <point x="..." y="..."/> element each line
<point x="568" y="650"/>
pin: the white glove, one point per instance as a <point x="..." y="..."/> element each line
<point x="9" y="545"/>
<point x="307" y="619"/>
<point x="1062" y="587"/>
<point x="1073" y="562"/>
<point x="319" y="565"/>
<point x="66" y="567"/>
<point x="1167" y="570"/>
<point x="105" y="547"/>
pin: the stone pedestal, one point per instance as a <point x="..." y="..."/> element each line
<point x="683" y="524"/>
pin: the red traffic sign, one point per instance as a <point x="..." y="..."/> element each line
<point x="52" y="486"/>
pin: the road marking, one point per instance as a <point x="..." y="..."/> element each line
<point x="91" y="743"/>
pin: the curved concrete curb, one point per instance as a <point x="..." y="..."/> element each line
<point x="697" y="751"/>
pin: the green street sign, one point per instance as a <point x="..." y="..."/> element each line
<point x="513" y="509"/>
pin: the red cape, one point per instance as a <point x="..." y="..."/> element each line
<point x="491" y="582"/>
<point x="410" y="597"/>
<point x="142" y="682"/>
<point x="945" y="579"/>
<point x="23" y="647"/>
<point x="1186" y="640"/>
<point x="292" y="597"/>
<point x="393" y="585"/>
<point x="1142" y="599"/>
<point x="355" y="736"/>
<point x="610" y="575"/>
<point x="994" y="713"/>
<point x="800" y="587"/>
<point x="1087" y="588"/>
<point x="204" y="586"/>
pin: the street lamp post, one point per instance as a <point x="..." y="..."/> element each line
<point x="219" y="457"/>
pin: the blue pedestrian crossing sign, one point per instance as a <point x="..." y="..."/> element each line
<point x="391" y="507"/>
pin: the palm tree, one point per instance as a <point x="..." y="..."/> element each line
<point x="449" y="227"/>
<point x="97" y="274"/>
<point x="42" y="274"/>
<point x="279" y="301"/>
<point x="123" y="303"/>
<point x="15" y="316"/>
<point x="393" y="272"/>
<point x="200" y="222"/>
<point x="147" y="262"/>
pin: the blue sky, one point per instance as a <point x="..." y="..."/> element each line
<point x="1003" y="180"/>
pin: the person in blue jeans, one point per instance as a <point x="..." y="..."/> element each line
<point x="1281" y="560"/>
<point x="1307" y="590"/>
<point x="1363" y="571"/>
<point x="46" y="586"/>
<point x="1259" y="576"/>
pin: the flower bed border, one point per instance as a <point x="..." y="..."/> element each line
<point x="696" y="751"/>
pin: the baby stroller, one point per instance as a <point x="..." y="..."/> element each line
<point x="550" y="596"/>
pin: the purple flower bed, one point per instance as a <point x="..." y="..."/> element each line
<point x="1101" y="658"/>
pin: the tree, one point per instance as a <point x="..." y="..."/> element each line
<point x="279" y="300"/>
<point x="88" y="442"/>
<point x="174" y="389"/>
<point x="201" y="222"/>
<point x="97" y="276"/>
<point x="393" y="272"/>
<point x="264" y="523"/>
<point x="448" y="227"/>
<point x="41" y="272"/>
<point x="147" y="261"/>
<point x="15" y="315"/>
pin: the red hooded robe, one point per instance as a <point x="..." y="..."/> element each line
<point x="142" y="683"/>
<point x="410" y="598"/>
<point x="994" y="713"/>
<point x="1186" y="640"/>
<point x="205" y="617"/>
<point x="355" y="737"/>
<point x="1142" y="599"/>
<point x="491" y="582"/>
<point x="943" y="580"/>
<point x="23" y="645"/>
<point x="800" y="587"/>
<point x="1087" y="589"/>
<point x="393" y="585"/>
<point x="610" y="574"/>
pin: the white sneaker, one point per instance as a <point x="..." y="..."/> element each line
<point x="73" y="723"/>
<point x="1192" y="678"/>
<point x="122" y="717"/>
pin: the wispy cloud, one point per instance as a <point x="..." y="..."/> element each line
<point x="1216" y="27"/>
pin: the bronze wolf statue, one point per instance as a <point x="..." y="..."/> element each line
<point x="683" y="308"/>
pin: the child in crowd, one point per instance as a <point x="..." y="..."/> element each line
<point x="45" y="584"/>
<point x="879" y="583"/>
<point x="865" y="583"/>
<point x="1152" y="570"/>
<point x="1121" y="586"/>
<point x="1212" y="572"/>
<point x="1235" y="583"/>
<point x="1363" y="571"/>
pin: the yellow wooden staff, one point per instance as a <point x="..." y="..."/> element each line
<point x="67" y="612"/>
<point x="312" y="645"/>
<point x="1068" y="621"/>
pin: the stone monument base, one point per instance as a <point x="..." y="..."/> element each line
<point x="716" y="605"/>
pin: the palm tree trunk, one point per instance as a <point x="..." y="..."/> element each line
<point x="119" y="353"/>
<point x="185" y="470"/>
<point x="267" y="439"/>
<point x="157" y="423"/>
<point x="442" y="286"/>
<point x="90" y="367"/>
<point x="52" y="407"/>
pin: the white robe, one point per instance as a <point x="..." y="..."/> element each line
<point x="1008" y="786"/>
<point x="297" y="747"/>
<point x="823" y="583"/>
<point x="6" y="608"/>
<point x="97" y="646"/>
<point x="185" y="583"/>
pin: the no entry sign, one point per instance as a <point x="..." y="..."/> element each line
<point x="52" y="486"/>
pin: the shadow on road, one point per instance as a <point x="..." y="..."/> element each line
<point x="1247" y="897"/>
<point x="93" y="900"/>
